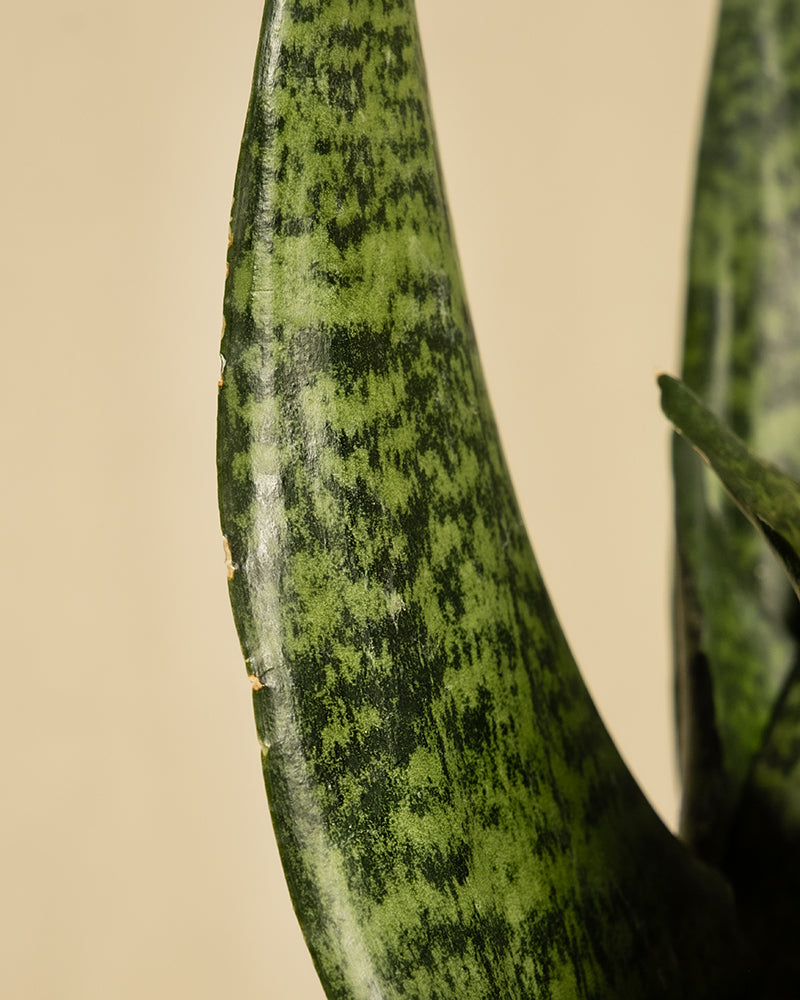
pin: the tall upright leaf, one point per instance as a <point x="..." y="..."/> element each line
<point x="762" y="857"/>
<point x="453" y="819"/>
<point x="736" y="616"/>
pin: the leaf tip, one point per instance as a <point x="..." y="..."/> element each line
<point x="670" y="389"/>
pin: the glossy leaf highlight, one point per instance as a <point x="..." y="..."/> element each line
<point x="453" y="819"/>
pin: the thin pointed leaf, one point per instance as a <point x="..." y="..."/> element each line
<point x="764" y="493"/>
<point x="453" y="819"/>
<point x="762" y="858"/>
<point x="735" y="635"/>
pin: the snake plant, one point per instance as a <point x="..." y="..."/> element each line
<point x="454" y="821"/>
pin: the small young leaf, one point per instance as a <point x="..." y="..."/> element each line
<point x="736" y="621"/>
<point x="766" y="496"/>
<point x="762" y="858"/>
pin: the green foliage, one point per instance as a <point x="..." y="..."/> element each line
<point x="737" y="624"/>
<point x="767" y="497"/>
<point x="761" y="855"/>
<point x="453" y="819"/>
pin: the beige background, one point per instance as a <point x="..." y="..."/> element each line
<point x="136" y="857"/>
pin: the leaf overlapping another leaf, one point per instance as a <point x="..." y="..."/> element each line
<point x="453" y="818"/>
<point x="737" y="621"/>
<point x="762" y="857"/>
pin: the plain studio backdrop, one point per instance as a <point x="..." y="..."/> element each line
<point x="137" y="853"/>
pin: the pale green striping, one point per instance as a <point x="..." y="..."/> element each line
<point x="454" y="821"/>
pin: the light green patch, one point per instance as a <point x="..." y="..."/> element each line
<point x="445" y="538"/>
<point x="424" y="768"/>
<point x="242" y="282"/>
<point x="421" y="774"/>
<point x="262" y="416"/>
<point x="317" y="404"/>
<point x="365" y="602"/>
<point x="261" y="460"/>
<point x="338" y="733"/>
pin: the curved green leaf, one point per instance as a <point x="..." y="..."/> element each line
<point x="764" y="493"/>
<point x="763" y="853"/>
<point x="736" y="618"/>
<point x="453" y="819"/>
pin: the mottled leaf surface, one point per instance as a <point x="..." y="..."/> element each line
<point x="453" y="819"/>
<point x="736" y="616"/>
<point x="767" y="497"/>
<point x="762" y="858"/>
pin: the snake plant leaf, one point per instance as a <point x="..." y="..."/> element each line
<point x="736" y="616"/>
<point x="764" y="493"/>
<point x="453" y="819"/>
<point x="763" y="854"/>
